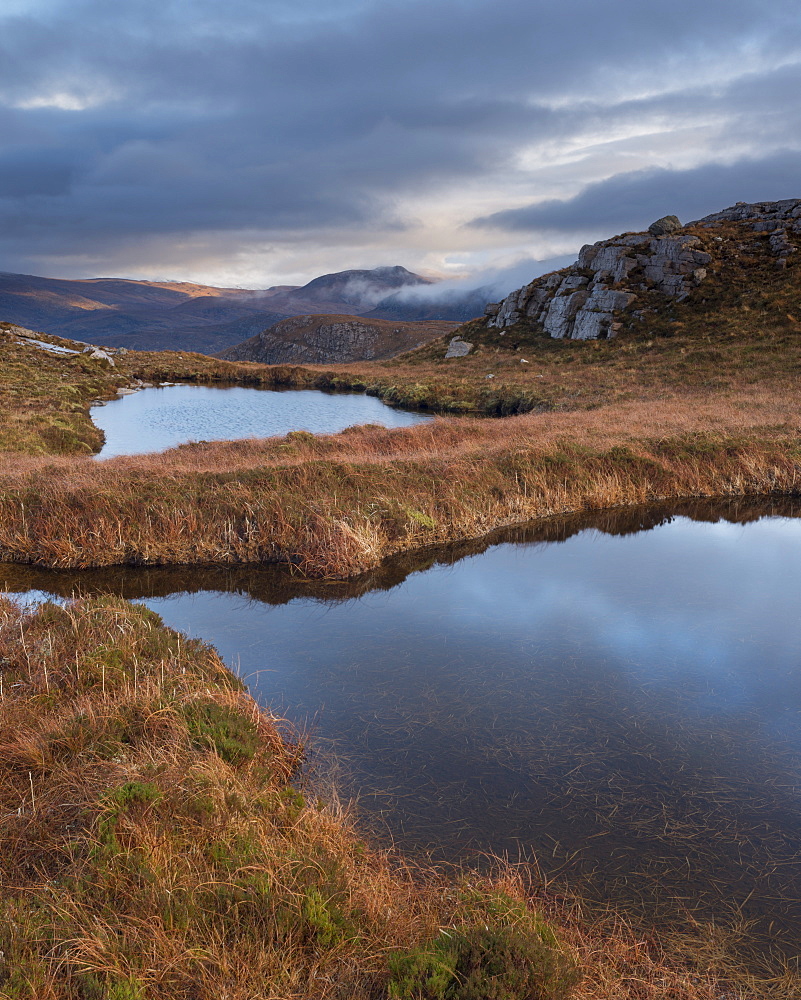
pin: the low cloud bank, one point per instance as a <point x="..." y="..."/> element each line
<point x="488" y="285"/>
<point x="631" y="201"/>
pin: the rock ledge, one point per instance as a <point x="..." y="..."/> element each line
<point x="581" y="301"/>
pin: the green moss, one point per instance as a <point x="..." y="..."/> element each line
<point x="118" y="801"/>
<point x="212" y="726"/>
<point x="507" y="952"/>
<point x="481" y="963"/>
<point x="424" y="520"/>
<point x="92" y="987"/>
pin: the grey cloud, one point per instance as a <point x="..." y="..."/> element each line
<point x="29" y="174"/>
<point x="277" y="118"/>
<point x="631" y="201"/>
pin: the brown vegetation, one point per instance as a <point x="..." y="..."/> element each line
<point x="154" y="847"/>
<point x="335" y="506"/>
<point x="152" y="844"/>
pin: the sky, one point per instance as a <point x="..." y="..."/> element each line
<point x="259" y="142"/>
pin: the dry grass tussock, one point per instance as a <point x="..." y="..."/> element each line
<point x="154" y="846"/>
<point x="336" y="506"/>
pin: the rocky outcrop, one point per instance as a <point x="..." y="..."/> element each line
<point x="329" y="339"/>
<point x="767" y="216"/>
<point x="782" y="219"/>
<point x="581" y="302"/>
<point x="584" y="301"/>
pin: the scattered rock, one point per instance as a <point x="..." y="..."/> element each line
<point x="97" y="354"/>
<point x="667" y="224"/>
<point x="458" y="348"/>
<point x="43" y="345"/>
<point x="779" y="243"/>
<point x="766" y="215"/>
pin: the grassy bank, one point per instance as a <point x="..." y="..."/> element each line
<point x="336" y="506"/>
<point x="154" y="845"/>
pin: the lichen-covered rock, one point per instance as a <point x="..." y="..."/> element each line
<point x="458" y="348"/>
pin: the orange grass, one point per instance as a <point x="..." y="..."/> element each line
<point x="336" y="506"/>
<point x="153" y="847"/>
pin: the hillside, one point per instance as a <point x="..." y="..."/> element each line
<point x="148" y="315"/>
<point x="630" y="276"/>
<point x="328" y="339"/>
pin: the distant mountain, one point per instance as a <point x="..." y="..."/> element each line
<point x="121" y="312"/>
<point x="408" y="306"/>
<point x="153" y="315"/>
<point x="325" y="339"/>
<point x="351" y="292"/>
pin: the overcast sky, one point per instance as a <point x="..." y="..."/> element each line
<point x="257" y="142"/>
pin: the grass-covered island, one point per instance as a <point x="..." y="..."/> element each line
<point x="157" y="841"/>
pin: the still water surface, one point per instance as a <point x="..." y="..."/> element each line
<point x="622" y="705"/>
<point x="159" y="418"/>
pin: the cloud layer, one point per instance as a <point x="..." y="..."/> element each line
<point x="263" y="141"/>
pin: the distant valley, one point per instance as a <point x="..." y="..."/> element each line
<point x="147" y="315"/>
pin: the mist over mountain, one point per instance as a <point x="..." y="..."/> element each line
<point x="172" y="315"/>
<point x="461" y="299"/>
<point x="176" y="315"/>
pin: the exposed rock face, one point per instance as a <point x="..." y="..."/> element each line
<point x="782" y="219"/>
<point x="458" y="348"/>
<point x="581" y="301"/>
<point x="330" y="339"/>
<point x="767" y="215"/>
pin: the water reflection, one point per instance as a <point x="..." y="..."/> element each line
<point x="155" y="419"/>
<point x="624" y="705"/>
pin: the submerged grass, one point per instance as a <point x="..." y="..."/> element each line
<point x="154" y="845"/>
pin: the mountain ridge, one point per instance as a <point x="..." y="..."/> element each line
<point x="327" y="339"/>
<point x="180" y="315"/>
